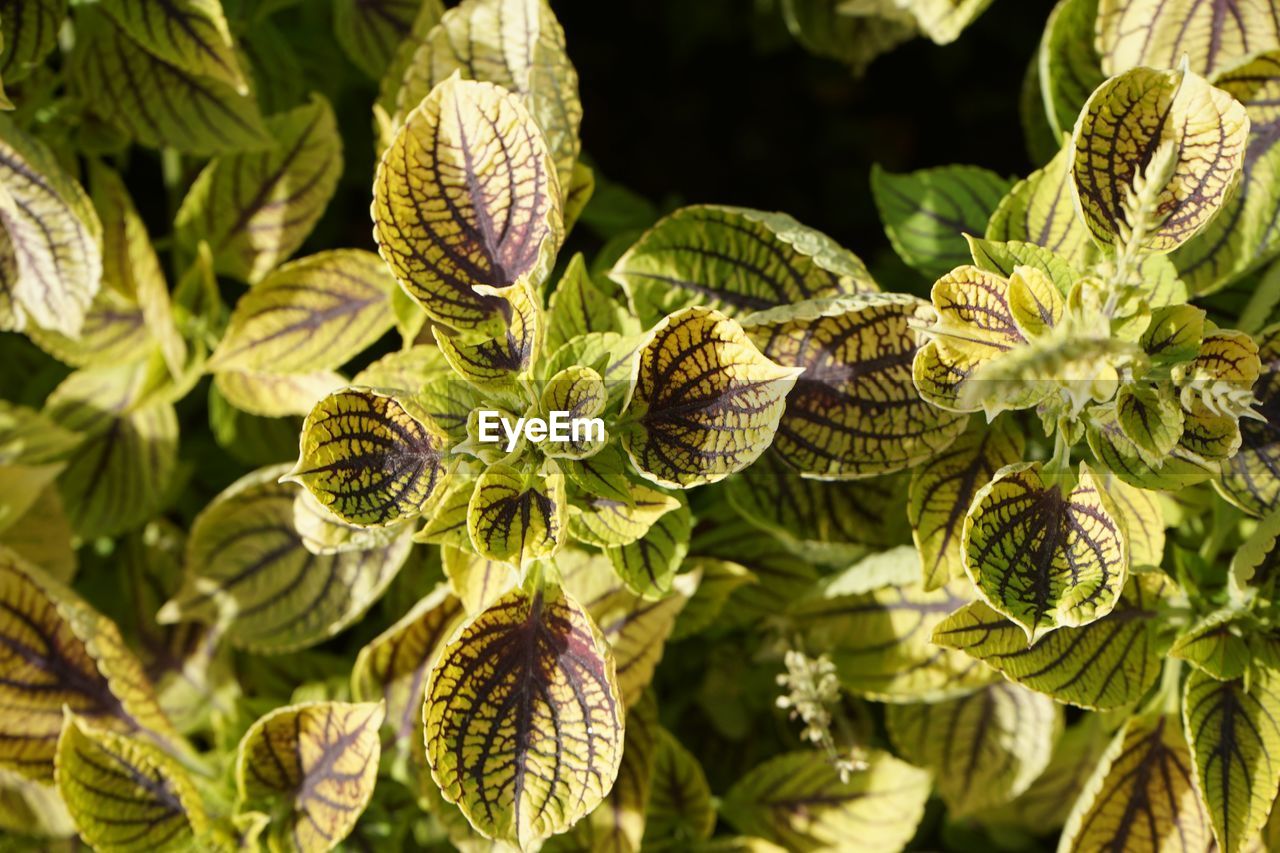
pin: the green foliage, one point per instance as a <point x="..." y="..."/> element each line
<point x="454" y="526"/>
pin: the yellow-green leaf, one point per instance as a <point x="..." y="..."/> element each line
<point x="313" y="767"/>
<point x="1226" y="367"/>
<point x="942" y="490"/>
<point x="1160" y="33"/>
<point x="1044" y="805"/>
<point x="125" y="794"/>
<point x="506" y="357"/>
<point x="157" y="103"/>
<point x="799" y="801"/>
<point x="1150" y="417"/>
<point x="580" y="306"/>
<point x="734" y="260"/>
<point x="32" y="438"/>
<point x="248" y="572"/>
<point x="855" y="411"/>
<point x="1250" y="478"/>
<point x="1069" y="70"/>
<point x="1215" y="644"/>
<point x="322" y="532"/>
<point x="927" y="213"/>
<point x="56" y="653"/>
<point x="1002" y="258"/>
<point x="467" y="202"/>
<point x="1109" y="663"/>
<point x="984" y="749"/>
<point x="705" y="402"/>
<point x="1114" y="450"/>
<point x="30" y="32"/>
<point x="405" y="370"/>
<point x="516" y="513"/>
<point x="189" y="34"/>
<point x="446" y="524"/>
<point x="881" y="642"/>
<point x="1041" y="210"/>
<point x="1234" y="735"/>
<point x="1169" y="129"/>
<point x="609" y="520"/>
<point x="394" y="666"/>
<point x="523" y="717"/>
<point x="370" y="31"/>
<point x="680" y="809"/>
<point x="256" y="207"/>
<point x="476" y="580"/>
<point x="43" y="535"/>
<point x="50" y="257"/>
<point x="1042" y="555"/>
<point x="648" y="564"/>
<point x="1141" y="796"/>
<point x="1143" y="518"/>
<point x="277" y="395"/>
<point x="32" y="809"/>
<point x="368" y="458"/>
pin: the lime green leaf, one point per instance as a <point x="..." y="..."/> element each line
<point x="29" y="437"/>
<point x="120" y="474"/>
<point x="579" y="306"/>
<point x="1003" y="258"/>
<point x="848" y="35"/>
<point x="734" y="260"/>
<point x="405" y="370"/>
<point x="450" y="404"/>
<point x="50" y="257"/>
<point x="799" y="801"/>
<point x="191" y="35"/>
<point x="156" y="103"/>
<point x="322" y="532"/>
<point x="312" y="766"/>
<point x="424" y="22"/>
<point x="984" y="749"/>
<point x="60" y="654"/>
<point x="1143" y="519"/>
<point x="497" y="361"/>
<point x="717" y="581"/>
<point x="1174" y="335"/>
<point x="1150" y="417"/>
<point x="581" y="393"/>
<point x="370" y="33"/>
<point x="648" y="564"/>
<point x="680" y="806"/>
<point x="452" y="257"/>
<point x="1109" y="663"/>
<point x="256" y="207"/>
<point x="636" y="629"/>
<point x="1141" y="795"/>
<point x="1216" y="644"/>
<point x="476" y="580"/>
<point x="880" y="642"/>
<point x="1044" y="805"/>
<point x="1040" y="210"/>
<point x="1045" y="556"/>
<point x="516" y="44"/>
<point x="446" y="524"/>
<point x="248" y="571"/>
<point x="124" y="794"/>
<point x="43" y="536"/>
<point x="854" y="412"/>
<point x="1211" y="36"/>
<point x="705" y="402"/>
<point x="1249" y="478"/>
<point x="942" y="489"/>
<point x="312" y="314"/>
<point x="1070" y="68"/>
<point x="1121" y="456"/>
<point x="276" y="395"/>
<point x="32" y="809"/>
<point x="1228" y="364"/>
<point x="549" y="724"/>
<point x="394" y="666"/>
<point x="368" y="458"/>
<point x="610" y="520"/>
<point x="30" y="31"/>
<point x="517" y="514"/>
<point x="1170" y="128"/>
<point x="1235" y="745"/>
<point x="927" y="213"/>
<point x="943" y="20"/>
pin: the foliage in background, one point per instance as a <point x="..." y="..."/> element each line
<point x="265" y="582"/>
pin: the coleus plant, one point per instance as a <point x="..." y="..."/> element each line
<point x="1055" y="614"/>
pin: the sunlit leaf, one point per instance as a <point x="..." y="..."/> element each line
<point x="1041" y="210"/>
<point x="1216" y="644"/>
<point x="581" y="395"/>
<point x="312" y="766"/>
<point x="1159" y="33"/>
<point x="1121" y="456"/>
<point x="984" y="749"/>
<point x="189" y="34"/>
<point x="276" y="395"/>
<point x="476" y="580"/>
<point x="648" y="564"/>
<point x="523" y="717"/>
<point x="1002" y="258"/>
<point x="1043" y="555"/>
<point x="1109" y="663"/>
<point x="734" y="260"/>
<point x="368" y="458"/>
<point x="43" y="535"/>
<point x="1235" y="748"/>
<point x="466" y="202"/>
<point x="1194" y="133"/>
<point x="508" y="356"/>
<point x="705" y="402"/>
<point x="1070" y="69"/>
<point x="1143" y="518"/>
<point x="248" y="571"/>
<point x="322" y="532"/>
<point x="579" y="306"/>
<point x="517" y="514"/>
<point x="605" y="521"/>
<point x="256" y="207"/>
<point x="942" y="490"/>
<point x="1228" y="361"/>
<point x="799" y="801"/>
<point x="1045" y="804"/>
<point x="927" y="213"/>
<point x="406" y="369"/>
<point x="125" y="794"/>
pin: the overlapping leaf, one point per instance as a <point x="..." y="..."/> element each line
<point x="927" y="213"/>
<point x="506" y="357"/>
<point x="580" y="306"/>
<point x="1216" y="644"/>
<point x="734" y="260"/>
<point x="517" y="514"/>
<point x="648" y="564"/>
<point x="523" y="717"/>
<point x="1045" y="804"/>
<point x="125" y="794"/>
<point x="1045" y="556"/>
<point x="1109" y="663"/>
<point x="984" y="749"/>
<point x="1040" y="209"/>
<point x="249" y="572"/>
<point x="314" y="766"/>
<point x="1194" y="135"/>
<point x="1212" y="36"/>
<point x="476" y="580"/>
<point x="189" y="34"/>
<point x="466" y="201"/>
<point x="1122" y="457"/>
<point x="368" y="458"/>
<point x="277" y="395"/>
<point x="705" y="401"/>
<point x="56" y="653"/>
<point x="1068" y="64"/>
<point x="256" y="207"/>
<point x="370" y="31"/>
<point x="618" y="520"/>
<point x="1251" y="478"/>
<point x="680" y="810"/>
<point x="798" y="800"/>
<point x="30" y="32"/>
